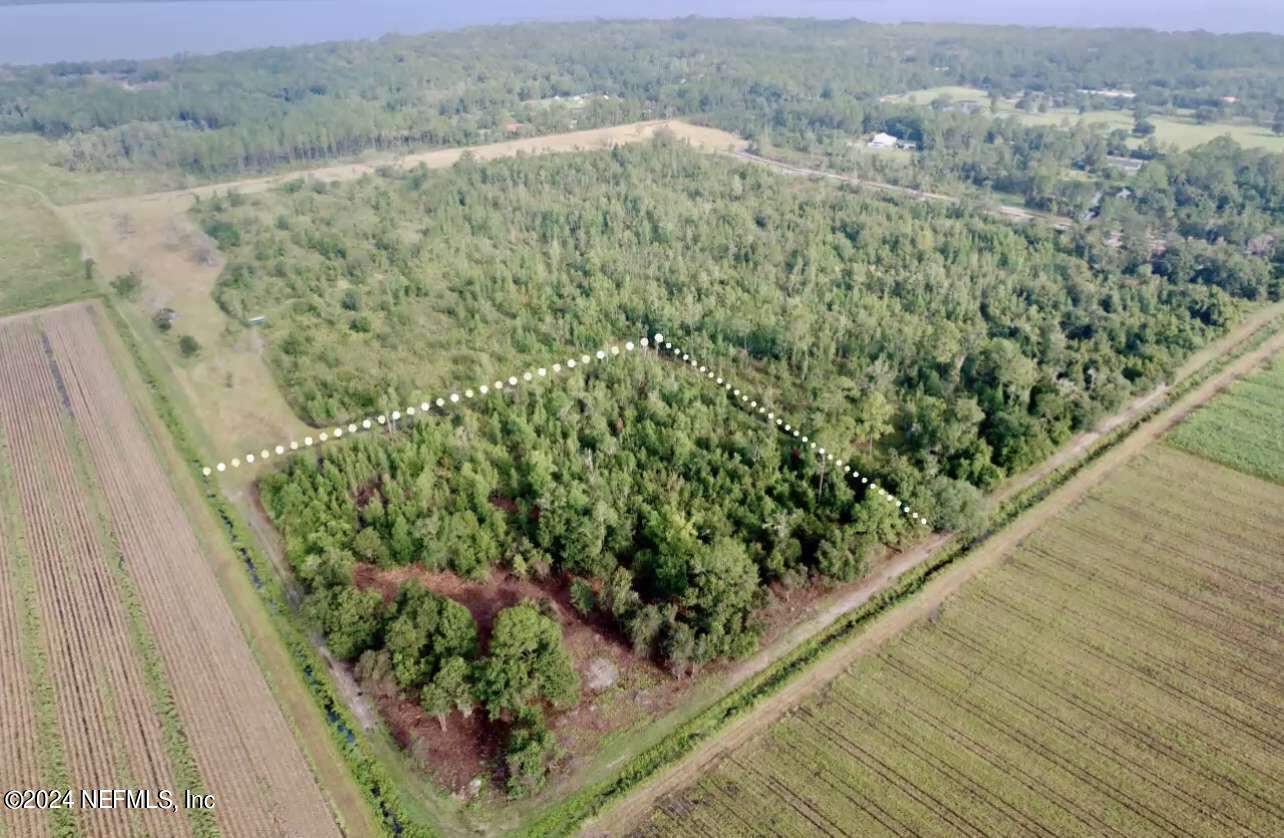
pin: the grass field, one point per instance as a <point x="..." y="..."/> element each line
<point x="122" y="663"/>
<point x="1179" y="129"/>
<point x="1119" y="673"/>
<point x="1243" y="428"/>
<point x="39" y="263"/>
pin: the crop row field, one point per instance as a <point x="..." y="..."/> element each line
<point x="1243" y="428"/>
<point x="1120" y="673"/>
<point x="122" y="665"/>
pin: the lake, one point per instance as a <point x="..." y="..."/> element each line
<point x="39" y="34"/>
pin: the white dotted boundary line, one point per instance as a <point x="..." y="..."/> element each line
<point x="514" y="381"/>
<point x="773" y="418"/>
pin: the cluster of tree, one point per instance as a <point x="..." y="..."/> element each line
<point x="972" y="346"/>
<point x="670" y="506"/>
<point x="426" y="645"/>
<point x="262" y="108"/>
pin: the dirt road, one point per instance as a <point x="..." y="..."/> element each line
<point x="1057" y="222"/>
<point x="622" y="816"/>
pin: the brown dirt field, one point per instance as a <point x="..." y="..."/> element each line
<point x="20" y="759"/>
<point x="629" y="812"/>
<point x="109" y="730"/>
<point x="244" y="750"/>
<point x="151" y="234"/>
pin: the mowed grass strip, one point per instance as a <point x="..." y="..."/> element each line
<point x="1122" y="673"/>
<point x="1242" y="428"/>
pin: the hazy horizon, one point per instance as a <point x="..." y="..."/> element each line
<point x="35" y="33"/>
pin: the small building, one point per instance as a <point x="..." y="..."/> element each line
<point x="882" y="140"/>
<point x="908" y="145"/>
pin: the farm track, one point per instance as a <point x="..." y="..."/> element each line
<point x="110" y="730"/>
<point x="244" y="749"/>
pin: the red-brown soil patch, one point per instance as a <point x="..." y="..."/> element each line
<point x="472" y="747"/>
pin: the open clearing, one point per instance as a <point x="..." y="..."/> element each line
<point x="1119" y="673"/>
<point x="39" y="263"/>
<point x="123" y="664"/>
<point x="1179" y="129"/>
<point x="1231" y="429"/>
<point x="229" y="383"/>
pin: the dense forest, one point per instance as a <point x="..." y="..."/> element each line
<point x="669" y="506"/>
<point x="970" y="346"/>
<point x="938" y="349"/>
<point x="261" y="108"/>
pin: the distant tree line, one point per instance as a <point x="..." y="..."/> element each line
<point x="262" y="108"/>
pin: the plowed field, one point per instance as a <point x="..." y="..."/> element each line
<point x="121" y="665"/>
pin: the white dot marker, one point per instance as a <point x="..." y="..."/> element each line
<point x="645" y="343"/>
<point x="425" y="407"/>
<point x="396" y="414"/>
<point x="249" y="458"/>
<point x="820" y="450"/>
<point x="322" y="437"/>
<point x="527" y="376"/>
<point x="207" y="471"/>
<point x="659" y="338"/>
<point x="719" y="380"/>
<point x="557" y="368"/>
<point x="570" y="364"/>
<point x="352" y="429"/>
<point x="221" y="467"/>
<point x="498" y="385"/>
<point x="541" y="372"/>
<point x="454" y="398"/>
<point x="381" y="419"/>
<point x="864" y="480"/>
<point x="294" y="445"/>
<point x="365" y="423"/>
<point x="441" y="402"/>
<point x="512" y="381"/>
<point x="280" y="449"/>
<point x="484" y="389"/>
<point x="584" y="359"/>
<point x="615" y="350"/>
<point x="628" y="345"/>
<point x="236" y="463"/>
<point x="410" y="411"/>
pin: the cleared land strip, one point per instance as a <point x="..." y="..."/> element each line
<point x="1047" y="698"/>
<point x="107" y="720"/>
<point x="242" y="745"/>
<point x="922" y="605"/>
<point x="1005" y="211"/>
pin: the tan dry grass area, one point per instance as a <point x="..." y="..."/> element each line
<point x="70" y="419"/>
<point x="230" y="383"/>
